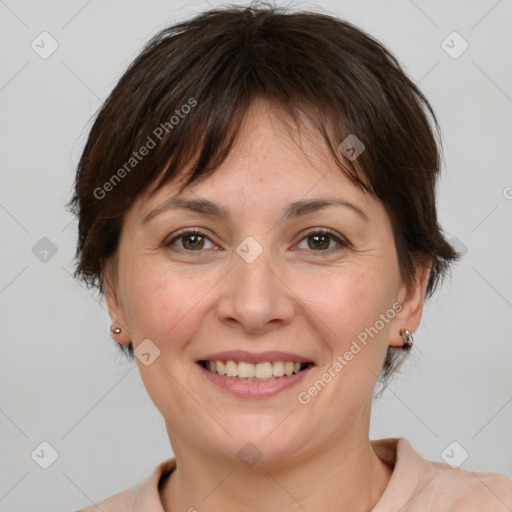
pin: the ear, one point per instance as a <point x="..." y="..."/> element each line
<point x="115" y="307"/>
<point x="412" y="298"/>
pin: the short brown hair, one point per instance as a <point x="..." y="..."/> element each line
<point x="210" y="68"/>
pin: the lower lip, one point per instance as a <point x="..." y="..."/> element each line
<point x="254" y="388"/>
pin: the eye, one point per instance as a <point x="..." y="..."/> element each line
<point x="321" y="239"/>
<point x="192" y="240"/>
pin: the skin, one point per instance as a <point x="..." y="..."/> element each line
<point x="292" y="298"/>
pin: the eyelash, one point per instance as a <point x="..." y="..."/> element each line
<point x="321" y="231"/>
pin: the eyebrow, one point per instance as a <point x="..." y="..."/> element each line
<point x="211" y="209"/>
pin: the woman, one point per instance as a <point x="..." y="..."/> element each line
<point x="256" y="202"/>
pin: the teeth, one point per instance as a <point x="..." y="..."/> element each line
<point x="231" y="369"/>
<point x="245" y="370"/>
<point x="262" y="370"/>
<point x="248" y="371"/>
<point x="278" y="368"/>
<point x="221" y="367"/>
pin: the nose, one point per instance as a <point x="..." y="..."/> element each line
<point x="255" y="297"/>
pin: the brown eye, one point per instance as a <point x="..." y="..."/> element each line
<point x="319" y="241"/>
<point x="190" y="241"/>
<point x="193" y="241"/>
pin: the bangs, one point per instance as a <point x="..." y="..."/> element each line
<point x="189" y="109"/>
<point x="198" y="155"/>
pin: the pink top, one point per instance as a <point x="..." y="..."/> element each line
<point x="416" y="485"/>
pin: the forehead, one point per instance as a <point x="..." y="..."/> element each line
<point x="272" y="161"/>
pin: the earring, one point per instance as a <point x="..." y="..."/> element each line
<point x="407" y="337"/>
<point x="115" y="330"/>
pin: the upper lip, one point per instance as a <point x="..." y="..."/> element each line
<point x="249" y="357"/>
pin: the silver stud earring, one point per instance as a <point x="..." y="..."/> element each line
<point x="407" y="337"/>
<point x="115" y="330"/>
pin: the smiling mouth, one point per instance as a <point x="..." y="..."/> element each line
<point x="264" y="371"/>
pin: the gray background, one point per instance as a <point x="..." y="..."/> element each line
<point x="61" y="378"/>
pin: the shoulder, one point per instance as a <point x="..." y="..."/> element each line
<point x="472" y="490"/>
<point x="418" y="484"/>
<point x="460" y="490"/>
<point x="120" y="502"/>
<point x="144" y="496"/>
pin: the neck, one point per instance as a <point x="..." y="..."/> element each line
<point x="346" y="476"/>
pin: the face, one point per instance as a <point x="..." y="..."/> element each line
<point x="316" y="286"/>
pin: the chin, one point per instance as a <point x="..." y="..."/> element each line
<point x="257" y="438"/>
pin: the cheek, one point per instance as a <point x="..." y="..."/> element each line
<point x="165" y="305"/>
<point x="153" y="304"/>
<point x="349" y="305"/>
